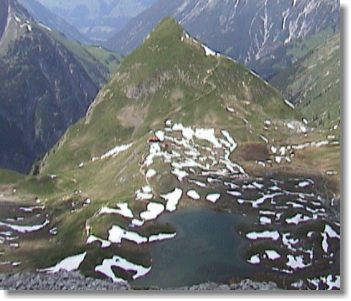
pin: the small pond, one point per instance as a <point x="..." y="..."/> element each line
<point x="207" y="249"/>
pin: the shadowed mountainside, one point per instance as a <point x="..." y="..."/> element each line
<point x="47" y="83"/>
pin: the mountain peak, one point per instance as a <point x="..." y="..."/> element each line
<point x="170" y="52"/>
<point x="166" y="35"/>
<point x="168" y="27"/>
<point x="170" y="76"/>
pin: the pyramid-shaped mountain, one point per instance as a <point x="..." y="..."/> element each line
<point x="171" y="77"/>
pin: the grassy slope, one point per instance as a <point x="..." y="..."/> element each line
<point x="313" y="83"/>
<point x="301" y="48"/>
<point x="9" y="177"/>
<point x="108" y="58"/>
<point x="192" y="95"/>
<point x="91" y="57"/>
<point x="285" y="57"/>
<point x="169" y="78"/>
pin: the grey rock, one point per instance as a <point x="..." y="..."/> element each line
<point x="243" y="286"/>
<point x="60" y="281"/>
<point x="74" y="281"/>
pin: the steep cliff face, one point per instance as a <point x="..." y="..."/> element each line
<point x="45" y="87"/>
<point x="247" y="30"/>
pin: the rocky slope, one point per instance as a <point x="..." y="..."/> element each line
<point x="249" y="31"/>
<point x="47" y="81"/>
<point x="63" y="281"/>
<point x="74" y="281"/>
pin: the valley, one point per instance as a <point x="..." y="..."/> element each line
<point x="97" y="20"/>
<point x="187" y="168"/>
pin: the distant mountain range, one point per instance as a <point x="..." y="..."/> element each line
<point x="97" y="19"/>
<point x="251" y="31"/>
<point x="52" y="20"/>
<point x="47" y="83"/>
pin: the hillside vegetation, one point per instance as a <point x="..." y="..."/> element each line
<point x="313" y="83"/>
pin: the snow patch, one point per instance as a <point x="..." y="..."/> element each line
<point x="234" y="193"/>
<point x="272" y="255"/>
<point x="198" y="183"/>
<point x="304" y="184"/>
<point x="123" y="210"/>
<point x="162" y="236"/>
<point x="153" y="211"/>
<point x="265" y="220"/>
<point x="289" y="104"/>
<point x="116" y="234"/>
<point x="115" y="151"/>
<point x="208" y="51"/>
<point x="137" y="223"/>
<point x="297" y="219"/>
<point x="160" y="135"/>
<point x="145" y="193"/>
<point x="209" y="135"/>
<point x="180" y="174"/>
<point x="193" y="195"/>
<point x="151" y="173"/>
<point x="106" y="268"/>
<point x="172" y="199"/>
<point x="263" y="235"/>
<point x="68" y="264"/>
<point x="296" y="262"/>
<point x="333" y="282"/>
<point x="328" y="233"/>
<point x="213" y="198"/>
<point x="104" y="243"/>
<point x="25" y="229"/>
<point x="255" y="259"/>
